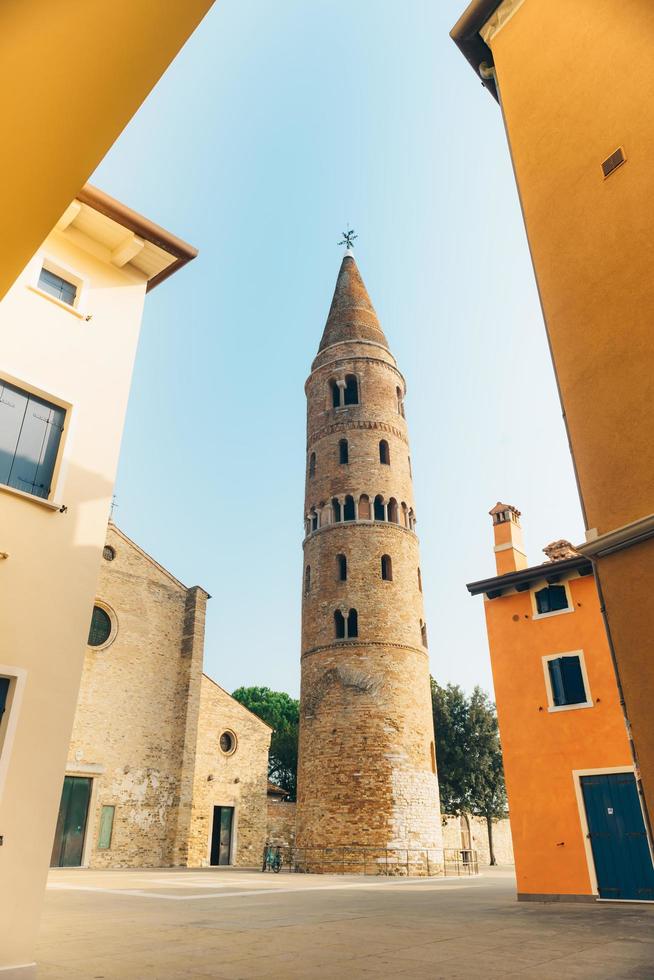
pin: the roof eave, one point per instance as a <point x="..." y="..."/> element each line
<point x="180" y="250"/>
<point x="500" y="583"/>
<point x="468" y="40"/>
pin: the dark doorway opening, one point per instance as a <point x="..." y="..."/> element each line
<point x="221" y="835"/>
<point x="68" y="846"/>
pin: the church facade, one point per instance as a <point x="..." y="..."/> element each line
<point x="367" y="784"/>
<point x="164" y="767"/>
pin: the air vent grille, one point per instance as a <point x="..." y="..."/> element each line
<point x="613" y="162"/>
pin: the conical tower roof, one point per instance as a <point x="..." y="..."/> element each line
<point x="351" y="315"/>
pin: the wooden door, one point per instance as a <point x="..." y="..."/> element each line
<point x="68" y="846"/>
<point x="623" y="863"/>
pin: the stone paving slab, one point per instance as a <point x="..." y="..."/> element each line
<point x="234" y="925"/>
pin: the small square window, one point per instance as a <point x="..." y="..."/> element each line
<point x="552" y="598"/>
<point x="57" y="286"/>
<point x="567" y="681"/>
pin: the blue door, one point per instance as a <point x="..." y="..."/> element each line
<point x="623" y="863"/>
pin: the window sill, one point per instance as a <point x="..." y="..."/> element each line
<point x="570" y="707"/>
<point x="80" y="314"/>
<point x="30" y="497"/>
<point x="556" y="612"/>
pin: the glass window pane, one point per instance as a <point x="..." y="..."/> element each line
<point x="57" y="286"/>
<point x="100" y="629"/>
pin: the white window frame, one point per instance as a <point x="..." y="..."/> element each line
<point x="71" y="275"/>
<point x="557" y="612"/>
<point x="17" y="678"/>
<point x="588" y="703"/>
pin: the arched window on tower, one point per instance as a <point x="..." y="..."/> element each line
<point x="335" y="393"/>
<point x="419" y="581"/>
<point x="351" y="390"/>
<point x="336" y="510"/>
<point x="412" y="519"/>
<point x="400" y="401"/>
<point x="352" y="624"/>
<point x="405" y="514"/>
<point x="313" y="517"/>
<point x="312" y="465"/>
<point x="423" y="633"/>
<point x="307" y="580"/>
<point x="343" y="451"/>
<point x="348" y="510"/>
<point x="392" y="510"/>
<point x="339" y="624"/>
<point x="384" y="452"/>
<point x="379" y="509"/>
<point x="341" y="568"/>
<point x="386" y="568"/>
<point x="364" y="507"/>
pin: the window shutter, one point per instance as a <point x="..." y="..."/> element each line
<point x="556" y="680"/>
<point x="106" y="827"/>
<point x="13" y="404"/>
<point x="30" y="433"/>
<point x="573" y="681"/>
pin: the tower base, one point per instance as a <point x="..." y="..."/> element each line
<point x="407" y="862"/>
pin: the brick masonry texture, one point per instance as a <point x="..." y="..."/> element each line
<point x="148" y="725"/>
<point x="367" y="774"/>
<point x="282" y="820"/>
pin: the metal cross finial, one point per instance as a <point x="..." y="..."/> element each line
<point x="113" y="507"/>
<point x="348" y="238"/>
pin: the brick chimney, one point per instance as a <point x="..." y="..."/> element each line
<point x="509" y="548"/>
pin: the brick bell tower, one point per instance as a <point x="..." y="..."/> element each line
<point x="367" y="782"/>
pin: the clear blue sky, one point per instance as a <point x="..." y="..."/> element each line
<point x="276" y="125"/>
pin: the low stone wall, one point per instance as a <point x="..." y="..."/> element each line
<point x="502" y="843"/>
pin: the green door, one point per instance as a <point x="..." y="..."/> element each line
<point x="71" y="824"/>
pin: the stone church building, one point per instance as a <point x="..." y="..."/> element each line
<point x="164" y="767"/>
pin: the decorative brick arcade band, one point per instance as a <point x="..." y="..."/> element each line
<point x="367" y="769"/>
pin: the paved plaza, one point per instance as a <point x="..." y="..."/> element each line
<point x="165" y="925"/>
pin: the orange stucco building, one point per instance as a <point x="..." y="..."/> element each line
<point x="578" y="108"/>
<point x="568" y="765"/>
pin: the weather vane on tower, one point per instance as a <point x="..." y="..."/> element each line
<point x="348" y="238"/>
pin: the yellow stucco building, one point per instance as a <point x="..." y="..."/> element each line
<point x="578" y="107"/>
<point x="69" y="327"/>
<point x="72" y="75"/>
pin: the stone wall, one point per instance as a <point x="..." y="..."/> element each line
<point x="237" y="779"/>
<point x="281" y="823"/>
<point x="125" y="734"/>
<point x="148" y="725"/>
<point x="502" y="843"/>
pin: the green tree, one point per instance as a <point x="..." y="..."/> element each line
<point x="469" y="755"/>
<point x="282" y="713"/>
